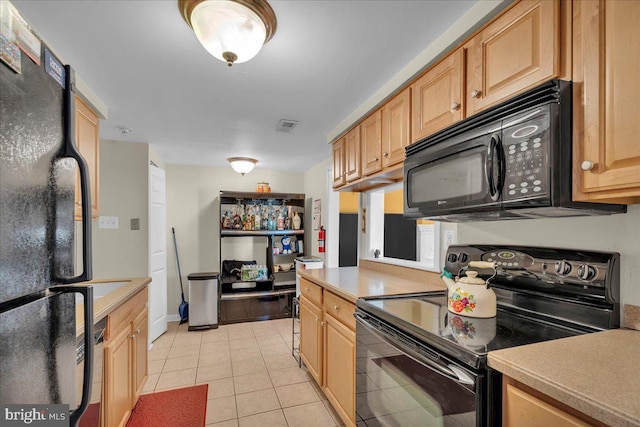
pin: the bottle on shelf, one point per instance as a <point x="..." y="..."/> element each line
<point x="280" y="221"/>
<point x="297" y="222"/>
<point x="265" y="218"/>
<point x="258" y="219"/>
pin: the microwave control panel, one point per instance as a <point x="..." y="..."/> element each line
<point x="526" y="148"/>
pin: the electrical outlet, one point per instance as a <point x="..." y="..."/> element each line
<point x="108" y="222"/>
<point x="449" y="238"/>
<point x="135" y="223"/>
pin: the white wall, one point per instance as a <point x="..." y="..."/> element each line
<point x="616" y="233"/>
<point x="315" y="187"/>
<point x="193" y="210"/>
<point x="121" y="252"/>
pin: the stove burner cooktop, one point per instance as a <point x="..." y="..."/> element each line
<point x="468" y="338"/>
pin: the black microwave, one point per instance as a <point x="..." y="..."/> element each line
<point x="512" y="161"/>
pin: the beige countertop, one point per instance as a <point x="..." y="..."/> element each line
<point x="111" y="300"/>
<point x="352" y="283"/>
<point x="597" y="374"/>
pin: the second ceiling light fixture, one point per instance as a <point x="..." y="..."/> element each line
<point x="233" y="31"/>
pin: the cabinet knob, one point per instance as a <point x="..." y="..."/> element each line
<point x="385" y="154"/>
<point x="133" y="337"/>
<point x="307" y="289"/>
<point x="138" y="331"/>
<point x="322" y="323"/>
<point x="336" y="308"/>
<point x="375" y="159"/>
<point x="454" y="106"/>
<point x="475" y="94"/>
<point x="587" y="165"/>
<point x="78" y="204"/>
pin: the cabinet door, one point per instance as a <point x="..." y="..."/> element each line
<point x="606" y="88"/>
<point x="371" y="143"/>
<point x="311" y="337"/>
<point x="352" y="155"/>
<point x="515" y="52"/>
<point x="338" y="163"/>
<point x="118" y="370"/>
<point x="87" y="139"/>
<point x="438" y="96"/>
<point x="340" y="367"/>
<point x="396" y="128"/>
<point x="139" y="362"/>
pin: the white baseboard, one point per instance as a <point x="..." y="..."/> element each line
<point x="173" y="317"/>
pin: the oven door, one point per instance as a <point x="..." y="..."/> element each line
<point x="400" y="382"/>
<point x="456" y="176"/>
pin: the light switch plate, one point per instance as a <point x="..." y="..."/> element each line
<point x="449" y="238"/>
<point x="108" y="222"/>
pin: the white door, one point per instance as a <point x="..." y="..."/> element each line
<point x="157" y="254"/>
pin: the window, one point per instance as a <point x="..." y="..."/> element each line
<point x="388" y="237"/>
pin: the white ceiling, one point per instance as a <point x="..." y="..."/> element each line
<point x="326" y="58"/>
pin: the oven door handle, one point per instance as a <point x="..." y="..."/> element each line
<point x="449" y="371"/>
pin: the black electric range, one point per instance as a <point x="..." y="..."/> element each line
<point x="412" y="346"/>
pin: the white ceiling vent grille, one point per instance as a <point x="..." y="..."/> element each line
<point x="285" y="125"/>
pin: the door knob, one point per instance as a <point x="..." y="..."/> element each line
<point x="587" y="165"/>
<point x="475" y="94"/>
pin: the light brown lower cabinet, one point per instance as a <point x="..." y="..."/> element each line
<point x="311" y="338"/>
<point x="523" y="406"/>
<point x="125" y="360"/>
<point x="339" y="374"/>
<point x="328" y="346"/>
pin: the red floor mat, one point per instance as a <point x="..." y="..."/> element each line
<point x="182" y="407"/>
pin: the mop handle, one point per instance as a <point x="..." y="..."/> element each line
<point x="175" y="245"/>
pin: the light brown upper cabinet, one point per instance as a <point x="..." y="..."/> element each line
<point x="352" y="155"/>
<point x="88" y="142"/>
<point x="438" y="96"/>
<point x="606" y="88"/>
<point x="396" y="128"/>
<point x="515" y="52"/>
<point x="371" y="143"/>
<point x="338" y="162"/>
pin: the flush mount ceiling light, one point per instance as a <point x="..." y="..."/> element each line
<point x="242" y="165"/>
<point x="233" y="31"/>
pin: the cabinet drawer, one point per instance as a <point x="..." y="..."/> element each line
<point x="311" y="291"/>
<point x="124" y="314"/>
<point x="340" y="309"/>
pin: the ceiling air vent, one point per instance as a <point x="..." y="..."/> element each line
<point x="286" y="125"/>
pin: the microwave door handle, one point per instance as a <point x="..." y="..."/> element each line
<point x="489" y="165"/>
<point x="502" y="163"/>
<point x="456" y="374"/>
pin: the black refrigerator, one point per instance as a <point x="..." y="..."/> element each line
<point x="38" y="163"/>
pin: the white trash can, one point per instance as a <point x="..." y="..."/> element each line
<point x="203" y="301"/>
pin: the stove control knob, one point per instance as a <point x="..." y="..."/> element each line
<point x="452" y="257"/>
<point x="562" y="268"/>
<point x="586" y="272"/>
<point x="463" y="257"/>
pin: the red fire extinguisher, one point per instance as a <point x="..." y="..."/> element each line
<point x="321" y="238"/>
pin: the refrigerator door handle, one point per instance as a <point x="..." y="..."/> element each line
<point x="70" y="149"/>
<point x="87" y="293"/>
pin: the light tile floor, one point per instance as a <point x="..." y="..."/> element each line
<point x="253" y="378"/>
